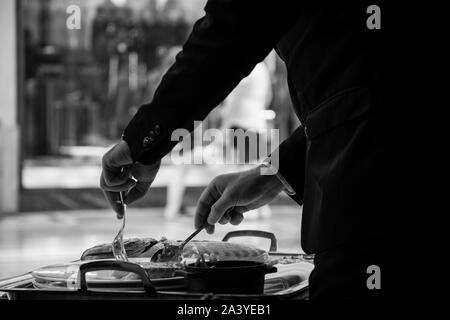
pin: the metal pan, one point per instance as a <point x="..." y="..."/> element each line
<point x="149" y="289"/>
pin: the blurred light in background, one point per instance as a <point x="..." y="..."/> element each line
<point x="119" y="3"/>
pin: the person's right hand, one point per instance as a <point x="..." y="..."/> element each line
<point x="121" y="174"/>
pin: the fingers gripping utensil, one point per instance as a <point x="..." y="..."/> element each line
<point x="118" y="247"/>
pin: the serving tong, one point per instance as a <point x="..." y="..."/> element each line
<point x="118" y="247"/>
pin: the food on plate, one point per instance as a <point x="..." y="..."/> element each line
<point x="164" y="250"/>
<point x="134" y="248"/>
<point x="223" y="251"/>
<point x="167" y="251"/>
<point x="206" y="261"/>
<point x="290" y="259"/>
<point x="171" y="251"/>
<point x="157" y="270"/>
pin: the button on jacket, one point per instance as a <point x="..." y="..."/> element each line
<point x="341" y="161"/>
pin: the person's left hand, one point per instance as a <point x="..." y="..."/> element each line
<point x="229" y="196"/>
<point x="121" y="174"/>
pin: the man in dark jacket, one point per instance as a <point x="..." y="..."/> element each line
<point x="342" y="164"/>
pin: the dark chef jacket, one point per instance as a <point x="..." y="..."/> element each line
<point x="341" y="161"/>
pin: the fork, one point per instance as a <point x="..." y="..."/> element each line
<point x="118" y="247"/>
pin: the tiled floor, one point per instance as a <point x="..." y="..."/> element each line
<point x="29" y="241"/>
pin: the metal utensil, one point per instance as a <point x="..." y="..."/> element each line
<point x="196" y="232"/>
<point x="172" y="252"/>
<point x="118" y="247"/>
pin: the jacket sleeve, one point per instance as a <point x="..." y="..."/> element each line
<point x="223" y="48"/>
<point x="289" y="161"/>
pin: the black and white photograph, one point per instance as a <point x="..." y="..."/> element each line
<point x="240" y="151"/>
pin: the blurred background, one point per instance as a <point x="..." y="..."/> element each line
<point x="66" y="94"/>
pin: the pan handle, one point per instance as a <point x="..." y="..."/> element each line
<point x="271" y="269"/>
<point x="254" y="233"/>
<point x="115" y="265"/>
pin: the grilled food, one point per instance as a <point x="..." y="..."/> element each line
<point x="166" y="250"/>
<point x="134" y="248"/>
<point x="158" y="270"/>
<point x="223" y="251"/>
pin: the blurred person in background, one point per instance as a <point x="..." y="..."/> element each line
<point x="244" y="109"/>
<point x="346" y="163"/>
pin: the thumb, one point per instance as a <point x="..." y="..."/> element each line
<point x="115" y="202"/>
